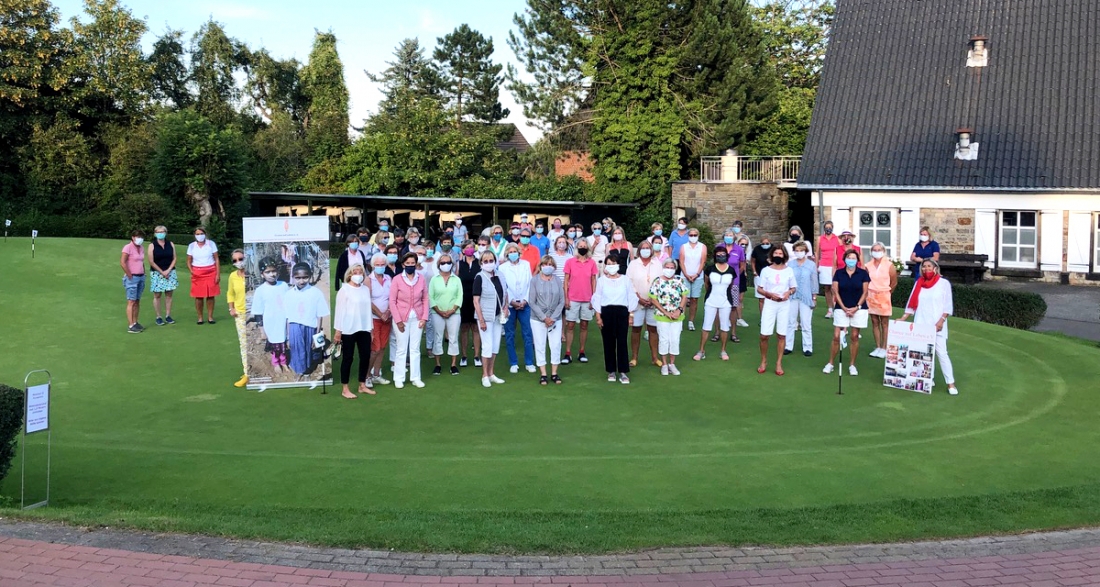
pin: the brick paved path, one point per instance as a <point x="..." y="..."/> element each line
<point x="38" y="555"/>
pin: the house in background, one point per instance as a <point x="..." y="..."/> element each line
<point x="977" y="118"/>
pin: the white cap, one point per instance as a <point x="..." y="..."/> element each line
<point x="523" y="215"/>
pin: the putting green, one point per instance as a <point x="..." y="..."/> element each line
<point x="148" y="431"/>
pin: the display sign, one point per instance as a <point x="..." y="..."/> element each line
<point x="34" y="234"/>
<point x="910" y="357"/>
<point x="38" y="408"/>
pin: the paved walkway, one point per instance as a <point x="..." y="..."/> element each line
<point x="38" y="555"/>
<point x="1071" y="309"/>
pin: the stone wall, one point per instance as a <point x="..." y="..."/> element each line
<point x="953" y="228"/>
<point x="762" y="207"/>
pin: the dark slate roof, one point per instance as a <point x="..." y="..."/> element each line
<point x="895" y="87"/>
<point x="515" y="141"/>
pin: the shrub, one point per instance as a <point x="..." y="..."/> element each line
<point x="1015" y="309"/>
<point x="11" y="421"/>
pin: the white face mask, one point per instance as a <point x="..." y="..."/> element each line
<point x="200" y="238"/>
<point x="445" y="267"/>
<point x="458" y="222"/>
<point x="924" y="238"/>
<point x="490" y="266"/>
<point x="138" y="241"/>
<point x="617" y="237"/>
<point x="481" y="248"/>
<point x="878" y="254"/>
<point x="668" y="273"/>
<point x="800" y="255"/>
<point x="681" y="226"/>
<point x="563" y="246"/>
<point x="357" y="279"/>
<point x="611" y="269"/>
<point x="420" y="259"/>
<point x="645" y="253"/>
<point x="693" y="239"/>
<point x="547" y="269"/>
<point x="413" y="240"/>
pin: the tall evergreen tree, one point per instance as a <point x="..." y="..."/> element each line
<point x="326" y="122"/>
<point x="169" y="74"/>
<point x="468" y="78"/>
<point x="215" y="60"/>
<point x="410" y="74"/>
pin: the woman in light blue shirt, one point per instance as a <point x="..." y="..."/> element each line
<point x="804" y="299"/>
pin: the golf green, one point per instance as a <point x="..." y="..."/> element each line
<point x="149" y="432"/>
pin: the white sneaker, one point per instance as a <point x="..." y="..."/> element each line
<point x="882" y="353"/>
<point x="496" y="379"/>
<point x="691" y="326"/>
<point x="873" y="353"/>
<point x="477" y="361"/>
<point x="513" y="369"/>
<point x="741" y="322"/>
<point x="369" y="383"/>
<point x="417" y="383"/>
<point x="672" y="369"/>
<point x="953" y="391"/>
<point x="381" y="380"/>
<point x="530" y="368"/>
<point x="664" y="370"/>
<point x="852" y="370"/>
<point x="828" y="369"/>
<point x="829" y="314"/>
<point x="462" y="362"/>
<point x="485" y="382"/>
<point x="399" y="384"/>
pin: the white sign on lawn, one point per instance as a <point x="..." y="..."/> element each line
<point x="38" y="408"/>
<point x="910" y="356"/>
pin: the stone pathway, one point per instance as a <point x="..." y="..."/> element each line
<point x="41" y="555"/>
<point x="1072" y="310"/>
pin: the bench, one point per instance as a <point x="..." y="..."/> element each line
<point x="959" y="267"/>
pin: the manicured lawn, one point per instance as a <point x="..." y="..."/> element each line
<point x="149" y="433"/>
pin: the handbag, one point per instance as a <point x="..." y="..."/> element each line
<point x="502" y="317"/>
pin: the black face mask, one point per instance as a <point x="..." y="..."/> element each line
<point x="778" y="260"/>
<point x="410" y="269"/>
<point x="582" y="251"/>
<point x="720" y="259"/>
<point x="795" y="238"/>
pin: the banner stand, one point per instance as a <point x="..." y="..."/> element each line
<point x="36" y="411"/>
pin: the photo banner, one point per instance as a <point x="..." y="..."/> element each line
<point x="910" y="357"/>
<point x="287" y="293"/>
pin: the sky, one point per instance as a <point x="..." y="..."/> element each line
<point x="367" y="31"/>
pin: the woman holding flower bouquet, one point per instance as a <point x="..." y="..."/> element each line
<point x="884" y="278"/>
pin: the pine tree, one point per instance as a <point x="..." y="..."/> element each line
<point x="326" y="122"/>
<point x="169" y="73"/>
<point x="215" y="60"/>
<point x="469" y="80"/>
<point x="409" y="76"/>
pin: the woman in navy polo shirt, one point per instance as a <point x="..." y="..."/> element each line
<point x="850" y="312"/>
<point x="925" y="249"/>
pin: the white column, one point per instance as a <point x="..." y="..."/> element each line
<point x="909" y="233"/>
<point x="1080" y="239"/>
<point x="1050" y="240"/>
<point x="985" y="235"/>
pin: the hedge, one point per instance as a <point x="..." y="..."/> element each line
<point x="11" y="421"/>
<point x="1015" y="309"/>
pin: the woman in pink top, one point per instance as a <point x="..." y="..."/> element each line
<point x="409" y="307"/>
<point x="884" y="278"/>
<point x="828" y="247"/>
<point x="133" y="278"/>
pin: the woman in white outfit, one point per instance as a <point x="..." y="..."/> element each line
<point x="693" y="255"/>
<point x="491" y="307"/>
<point x="445" y="297"/>
<point x="932" y="303"/>
<point x="776" y="284"/>
<point x="546" y="297"/>
<point x="670" y="296"/>
<point x="721" y="295"/>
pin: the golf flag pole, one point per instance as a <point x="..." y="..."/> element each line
<point x="34" y="235"/>
<point x="840" y="364"/>
<point x="7" y="225"/>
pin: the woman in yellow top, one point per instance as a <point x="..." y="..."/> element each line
<point x="239" y="310"/>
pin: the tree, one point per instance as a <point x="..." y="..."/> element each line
<point x="32" y="53"/>
<point x="199" y="164"/>
<point x="112" y="76"/>
<point x="60" y="168"/>
<point x="215" y="60"/>
<point x="786" y="129"/>
<point x="326" y="123"/>
<point x="468" y="78"/>
<point x="410" y="74"/>
<point x="280" y="153"/>
<point x="275" y="86"/>
<point x="795" y="36"/>
<point x="169" y="75"/>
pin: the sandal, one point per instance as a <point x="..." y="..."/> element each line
<point x="778" y="371"/>
<point x="542" y="380"/>
<point x="211" y="321"/>
<point x="699" y="356"/>
<point x="714" y="338"/>
<point x="633" y="362"/>
<point x="725" y="356"/>
<point x="555" y="379"/>
<point x="761" y="369"/>
<point x="200" y="323"/>
<point x="734" y="339"/>
<point x="658" y="363"/>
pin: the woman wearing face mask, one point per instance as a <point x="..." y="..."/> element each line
<point x="515" y="273"/>
<point x="660" y="249"/>
<point x="884" y="278"/>
<point x="777" y="285"/>
<point x="795" y="235"/>
<point x="580" y="281"/>
<point x="238" y="309"/>
<point x="445" y="297"/>
<point x="614" y="302"/>
<point x="847" y="243"/>
<point x="669" y="294"/>
<point x="351" y="256"/>
<point x="409" y="306"/>
<point x="497" y="242"/>
<point x="353" y="325"/>
<point x="547" y="301"/>
<point x="692" y="256"/>
<point x="642" y="272"/>
<point x="829" y="249"/>
<point x="491" y="304"/>
<point x="655" y="230"/>
<point x="619" y="244"/>
<point x="804" y="300"/>
<point x="162" y="269"/>
<point x="382" y="318"/>
<point x="468" y="268"/>
<point x="555" y="231"/>
<point x="202" y="261"/>
<point x="925" y="249"/>
<point x="743" y="282"/>
<point x="850" y="292"/>
<point x="932" y="303"/>
<point x="737" y="260"/>
<point x="392" y="256"/>
<point x="761" y="259"/>
<point x="561" y="252"/>
<point x="598" y="243"/>
<point x="133" y="278"/>
<point x="459" y="233"/>
<point x="720" y="279"/>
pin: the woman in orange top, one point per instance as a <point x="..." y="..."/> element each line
<point x="884" y="278"/>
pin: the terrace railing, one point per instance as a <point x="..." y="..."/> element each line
<point x="739" y="169"/>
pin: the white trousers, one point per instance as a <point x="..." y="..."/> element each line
<point x="408" y="347"/>
<point x="668" y="337"/>
<point x="711" y="313"/>
<point x="439" y="326"/>
<point x="801" y="313"/>
<point x="490" y="337"/>
<point x="541" y="335"/>
<point x="946" y="367"/>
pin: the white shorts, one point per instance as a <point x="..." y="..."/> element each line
<point x="775" y="315"/>
<point x="841" y="320"/>
<point x="644" y="317"/>
<point x="490" y="338"/>
<point x="825" y="275"/>
<point x="755" y="283"/>
<point x="579" y="311"/>
<point x="722" y="314"/>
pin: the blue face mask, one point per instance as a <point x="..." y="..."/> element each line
<point x="851" y="263"/>
<point x="658" y="232"/>
<point x="380" y="270"/>
<point x="513" y="257"/>
<point x="538" y="230"/>
<point x="161" y="235"/>
<point x="737" y="229"/>
<point x="497" y="237"/>
<point x="596" y="232"/>
<point x="729" y="240"/>
<point x="384" y="228"/>
<point x="364" y="239"/>
<point x="766" y="246"/>
<point x="391" y="258"/>
<point x="353" y="246"/>
<point x="524" y="240"/>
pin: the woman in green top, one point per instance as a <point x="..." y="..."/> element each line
<point x="670" y="297"/>
<point x="445" y="298"/>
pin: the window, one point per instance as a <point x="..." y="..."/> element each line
<point x="1019" y="233"/>
<point x="1096" y="247"/>
<point x="875" y="226"/>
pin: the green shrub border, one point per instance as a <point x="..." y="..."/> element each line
<point x="1016" y="309"/>
<point x="11" y="421"/>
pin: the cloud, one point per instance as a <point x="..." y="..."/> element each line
<point x="229" y="11"/>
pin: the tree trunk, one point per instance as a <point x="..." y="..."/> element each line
<point x="202" y="205"/>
